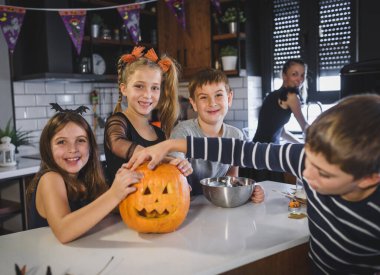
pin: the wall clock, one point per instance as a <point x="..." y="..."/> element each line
<point x="99" y="65"/>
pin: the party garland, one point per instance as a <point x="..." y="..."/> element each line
<point x="11" y="19"/>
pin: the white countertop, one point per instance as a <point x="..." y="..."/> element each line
<point x="23" y="167"/>
<point x="210" y="241"/>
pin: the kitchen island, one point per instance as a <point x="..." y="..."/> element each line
<point x="212" y="240"/>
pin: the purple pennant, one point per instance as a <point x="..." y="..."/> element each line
<point x="11" y="21"/>
<point x="178" y="8"/>
<point x="216" y="4"/>
<point x="131" y="16"/>
<point x="74" y="23"/>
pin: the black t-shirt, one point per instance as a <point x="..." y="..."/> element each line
<point x="119" y="126"/>
<point x="272" y="117"/>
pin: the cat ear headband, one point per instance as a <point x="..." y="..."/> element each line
<point x="137" y="52"/>
<point x="80" y="110"/>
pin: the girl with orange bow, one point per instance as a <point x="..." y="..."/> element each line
<point x="148" y="83"/>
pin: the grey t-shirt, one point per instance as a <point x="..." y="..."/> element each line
<point x="202" y="168"/>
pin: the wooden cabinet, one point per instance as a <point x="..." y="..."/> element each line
<point x="191" y="47"/>
<point x="45" y="50"/>
<point x="114" y="39"/>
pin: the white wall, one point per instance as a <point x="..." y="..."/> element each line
<point x="5" y="82"/>
<point x="32" y="100"/>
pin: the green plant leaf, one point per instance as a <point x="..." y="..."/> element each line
<point x="18" y="137"/>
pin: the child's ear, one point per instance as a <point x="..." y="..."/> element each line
<point x="230" y="97"/>
<point x="122" y="88"/>
<point x="369" y="181"/>
<point x="192" y="102"/>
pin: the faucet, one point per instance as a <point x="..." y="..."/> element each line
<point x="313" y="103"/>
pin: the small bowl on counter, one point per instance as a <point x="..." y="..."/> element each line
<point x="228" y="191"/>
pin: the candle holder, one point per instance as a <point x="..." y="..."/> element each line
<point x="7" y="152"/>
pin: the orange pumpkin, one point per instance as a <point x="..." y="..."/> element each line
<point x="160" y="203"/>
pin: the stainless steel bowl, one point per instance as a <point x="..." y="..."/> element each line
<point x="228" y="191"/>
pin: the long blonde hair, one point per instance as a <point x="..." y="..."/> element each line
<point x="168" y="106"/>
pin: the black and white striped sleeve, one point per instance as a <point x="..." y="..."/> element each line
<point x="236" y="152"/>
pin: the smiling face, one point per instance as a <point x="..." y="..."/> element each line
<point x="70" y="148"/>
<point x="142" y="90"/>
<point x="212" y="101"/>
<point x="294" y="76"/>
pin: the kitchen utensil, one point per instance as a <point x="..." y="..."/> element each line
<point x="102" y="120"/>
<point x="228" y="191"/>
<point x="292" y="196"/>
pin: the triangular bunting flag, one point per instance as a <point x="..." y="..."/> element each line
<point x="74" y="23"/>
<point x="11" y="21"/>
<point x="178" y="8"/>
<point x="216" y="4"/>
<point x="131" y="16"/>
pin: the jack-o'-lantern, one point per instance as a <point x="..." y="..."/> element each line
<point x="160" y="203"/>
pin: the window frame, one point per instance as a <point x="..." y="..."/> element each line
<point x="309" y="33"/>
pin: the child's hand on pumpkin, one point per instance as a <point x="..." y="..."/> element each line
<point x="183" y="165"/>
<point x="258" y="194"/>
<point x="155" y="154"/>
<point x="122" y="185"/>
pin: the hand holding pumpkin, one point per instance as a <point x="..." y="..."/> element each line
<point x="183" y="165"/>
<point x="156" y="153"/>
<point x="122" y="185"/>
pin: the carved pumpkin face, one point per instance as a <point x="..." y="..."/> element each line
<point x="160" y="203"/>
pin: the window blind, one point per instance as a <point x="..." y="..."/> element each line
<point x="286" y="33"/>
<point x="334" y="36"/>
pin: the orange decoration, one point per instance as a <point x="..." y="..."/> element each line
<point x="151" y="55"/>
<point x="294" y="204"/>
<point x="164" y="63"/>
<point x="160" y="203"/>
<point x="134" y="55"/>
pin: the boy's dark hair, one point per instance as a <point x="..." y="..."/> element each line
<point x="207" y="76"/>
<point x="90" y="176"/>
<point x="347" y="135"/>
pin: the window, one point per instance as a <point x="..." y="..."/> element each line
<point x="334" y="42"/>
<point x="319" y="32"/>
<point x="285" y="36"/>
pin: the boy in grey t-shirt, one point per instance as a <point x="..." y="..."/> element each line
<point x="210" y="97"/>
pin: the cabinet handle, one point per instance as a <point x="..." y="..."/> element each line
<point x="185" y="57"/>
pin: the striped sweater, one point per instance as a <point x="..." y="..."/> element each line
<point x="344" y="236"/>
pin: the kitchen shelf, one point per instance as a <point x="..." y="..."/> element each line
<point x="221" y="38"/>
<point x="228" y="36"/>
<point x="67" y="77"/>
<point x="108" y="42"/>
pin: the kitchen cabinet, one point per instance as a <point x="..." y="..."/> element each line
<point x="45" y="51"/>
<point x="22" y="174"/>
<point x="222" y="36"/>
<point x="191" y="47"/>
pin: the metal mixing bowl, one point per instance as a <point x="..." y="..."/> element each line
<point x="228" y="191"/>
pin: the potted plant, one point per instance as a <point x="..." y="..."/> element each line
<point x="96" y="24"/>
<point x="228" y="54"/>
<point x="232" y="16"/>
<point x="17" y="136"/>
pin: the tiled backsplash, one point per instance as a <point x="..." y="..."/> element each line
<point x="32" y="100"/>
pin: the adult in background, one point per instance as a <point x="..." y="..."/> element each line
<point x="275" y="112"/>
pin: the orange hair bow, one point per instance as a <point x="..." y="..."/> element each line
<point x="163" y="63"/>
<point x="134" y="55"/>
